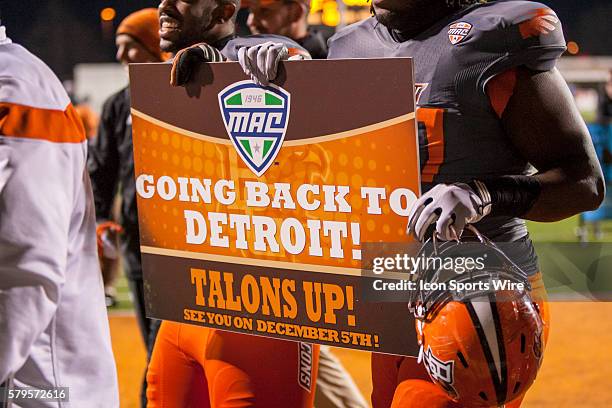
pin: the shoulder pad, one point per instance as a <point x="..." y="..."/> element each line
<point x="339" y="41"/>
<point x="531" y="32"/>
<point x="26" y="80"/>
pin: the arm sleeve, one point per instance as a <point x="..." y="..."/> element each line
<point x="103" y="162"/>
<point x="532" y="36"/>
<point x="36" y="201"/>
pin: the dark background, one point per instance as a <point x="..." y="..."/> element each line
<point x="66" y="32"/>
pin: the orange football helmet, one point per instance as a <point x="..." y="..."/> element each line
<point x="482" y="346"/>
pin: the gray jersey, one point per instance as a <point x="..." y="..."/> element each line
<point x="460" y="133"/>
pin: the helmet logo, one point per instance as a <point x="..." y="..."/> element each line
<point x="458" y="31"/>
<point x="256" y="120"/>
<point x="440" y="371"/>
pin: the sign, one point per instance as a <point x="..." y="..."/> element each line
<point x="254" y="203"/>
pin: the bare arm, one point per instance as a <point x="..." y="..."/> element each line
<point x="545" y="126"/>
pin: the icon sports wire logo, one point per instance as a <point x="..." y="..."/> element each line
<point x="256" y="121"/>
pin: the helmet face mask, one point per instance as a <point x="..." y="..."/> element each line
<point x="482" y="346"/>
<point x="460" y="271"/>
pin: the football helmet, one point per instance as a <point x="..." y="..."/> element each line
<point x="481" y="344"/>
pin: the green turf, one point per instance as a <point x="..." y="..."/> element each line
<point x="565" y="231"/>
<point x="124" y="302"/>
<point x="553" y="231"/>
<point x="571" y="269"/>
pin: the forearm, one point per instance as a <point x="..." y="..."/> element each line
<point x="567" y="191"/>
<point x="552" y="195"/>
<point x="546" y="128"/>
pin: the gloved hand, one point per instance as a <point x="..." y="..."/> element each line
<point x="187" y="60"/>
<point x="106" y="235"/>
<point x="260" y="61"/>
<point x="450" y="207"/>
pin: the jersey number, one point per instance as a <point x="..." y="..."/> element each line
<point x="431" y="120"/>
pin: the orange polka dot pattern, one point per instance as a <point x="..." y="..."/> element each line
<point x="381" y="158"/>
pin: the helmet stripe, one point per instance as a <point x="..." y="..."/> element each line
<point x="486" y="321"/>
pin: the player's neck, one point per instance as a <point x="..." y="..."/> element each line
<point x="414" y="25"/>
<point x="221" y="42"/>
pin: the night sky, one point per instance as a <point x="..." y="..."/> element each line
<point x="66" y="32"/>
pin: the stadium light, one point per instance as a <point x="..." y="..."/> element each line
<point x="357" y="3"/>
<point x="108" y="14"/>
<point x="573" y="48"/>
<point x="331" y="15"/>
<point x="318" y="5"/>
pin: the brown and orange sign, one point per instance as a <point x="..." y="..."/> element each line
<point x="254" y="202"/>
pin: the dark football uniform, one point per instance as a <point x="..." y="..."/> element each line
<point x="465" y="72"/>
<point x="460" y="133"/>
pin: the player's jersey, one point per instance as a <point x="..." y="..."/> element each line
<point x="53" y="324"/>
<point x="460" y="133"/>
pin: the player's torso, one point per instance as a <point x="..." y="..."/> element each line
<point x="460" y="135"/>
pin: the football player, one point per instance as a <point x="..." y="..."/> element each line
<point x="53" y="324"/>
<point x="494" y="113"/>
<point x="335" y="387"/>
<point x="199" y="366"/>
<point x="500" y="137"/>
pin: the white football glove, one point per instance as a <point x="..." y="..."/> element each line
<point x="450" y="206"/>
<point x="260" y="61"/>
